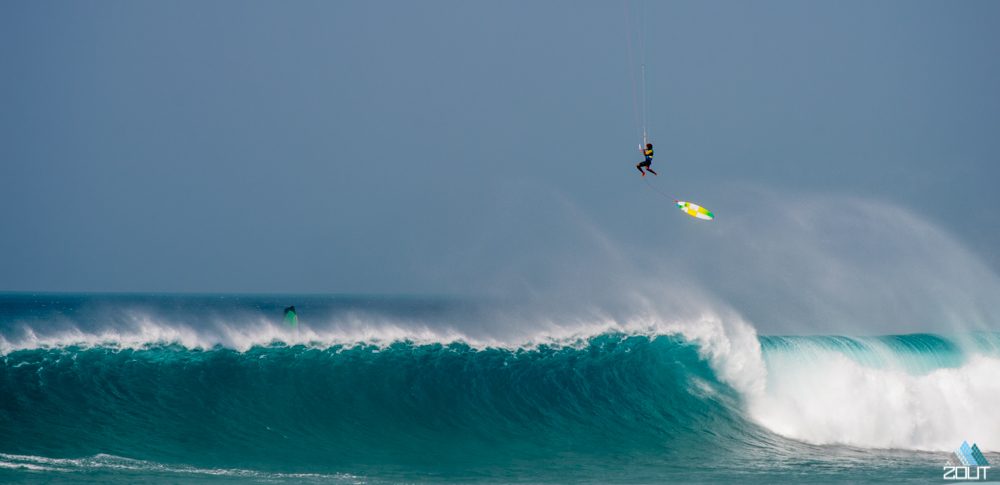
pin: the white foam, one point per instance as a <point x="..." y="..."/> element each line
<point x="111" y="462"/>
<point x="828" y="398"/>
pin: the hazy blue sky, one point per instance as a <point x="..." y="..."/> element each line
<point x="464" y="147"/>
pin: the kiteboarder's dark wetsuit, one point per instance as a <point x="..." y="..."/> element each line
<point x="645" y="163"/>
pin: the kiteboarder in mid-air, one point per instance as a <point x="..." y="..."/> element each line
<point x="648" y="152"/>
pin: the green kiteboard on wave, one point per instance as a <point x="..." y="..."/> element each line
<point x="291" y="320"/>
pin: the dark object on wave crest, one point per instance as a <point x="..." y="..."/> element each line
<point x="290" y="319"/>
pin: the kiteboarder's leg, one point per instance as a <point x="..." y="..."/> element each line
<point x="651" y="171"/>
<point x="639" y="166"/>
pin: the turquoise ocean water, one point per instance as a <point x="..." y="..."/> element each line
<point x="214" y="389"/>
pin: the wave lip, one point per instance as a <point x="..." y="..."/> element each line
<point x="728" y="343"/>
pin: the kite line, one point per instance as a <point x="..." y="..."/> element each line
<point x="631" y="71"/>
